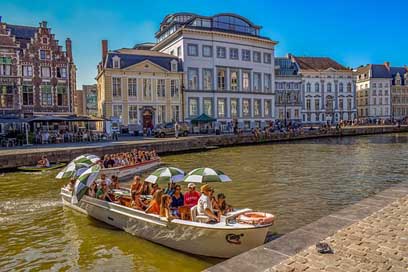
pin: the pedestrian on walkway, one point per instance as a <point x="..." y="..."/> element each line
<point x="176" y="128"/>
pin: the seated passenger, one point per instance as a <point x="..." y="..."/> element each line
<point x="136" y="185"/>
<point x="170" y="188"/>
<point x="92" y="189"/>
<point x="155" y="187"/>
<point x="165" y="207"/>
<point x="137" y="203"/>
<point x="102" y="192"/>
<point x="204" y="206"/>
<point x="222" y="204"/>
<point x="115" y="183"/>
<point x="191" y="197"/>
<point x="154" y="205"/>
<point x="144" y="189"/>
<point x="71" y="184"/>
<point x="104" y="179"/>
<point x="177" y="200"/>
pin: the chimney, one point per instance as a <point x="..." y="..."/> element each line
<point x="104" y="51"/>
<point x="387" y="65"/>
<point x="43" y="24"/>
<point x="68" y="47"/>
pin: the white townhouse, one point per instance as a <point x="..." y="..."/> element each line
<point x="228" y="67"/>
<point x="328" y="90"/>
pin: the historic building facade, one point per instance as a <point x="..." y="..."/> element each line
<point x="228" y="67"/>
<point x="36" y="76"/>
<point x="399" y="92"/>
<point x="86" y="100"/>
<point x="328" y="90"/>
<point x="139" y="87"/>
<point x="288" y="89"/>
<point x="374" y="92"/>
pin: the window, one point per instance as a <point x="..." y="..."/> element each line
<point x="329" y="87"/>
<point x="267" y="108"/>
<point x="341" y="104"/>
<point x="174" y="66"/>
<point x="349" y="104"/>
<point x="161" y="88"/>
<point x="221" y="79"/>
<point x="147" y="88"/>
<point x="207" y="79"/>
<point x="116" y="62"/>
<point x="317" y="104"/>
<point x="207" y="51"/>
<point x="257" y="56"/>
<point x="246" y="55"/>
<point x="316" y="87"/>
<point x="308" y="87"/>
<point x="234" y="53"/>
<point x="175" y="113"/>
<point x="117" y="111"/>
<point x="234" y="108"/>
<point x="132" y="114"/>
<point x="349" y="87"/>
<point x="386" y="92"/>
<point x="329" y="104"/>
<point x="45" y="55"/>
<point x="28" y="95"/>
<point x="179" y="51"/>
<point x="234" y="80"/>
<point x="45" y="72"/>
<point x="221" y="52"/>
<point x="193" y="107"/>
<point x="267" y="58"/>
<point x="246" y="81"/>
<point x="221" y="108"/>
<point x="5" y="69"/>
<point x="172" y="52"/>
<point x="116" y="86"/>
<point x="341" y="87"/>
<point x="192" y="50"/>
<point x="267" y="83"/>
<point x="379" y="85"/>
<point x="246" y="107"/>
<point x="161" y="114"/>
<point x="297" y="114"/>
<point x="257" y="82"/>
<point x="46" y="95"/>
<point x="192" y="78"/>
<point x="6" y="96"/>
<point x="257" y="107"/>
<point x="132" y="87"/>
<point x="27" y="71"/>
<point x="207" y="106"/>
<point x="44" y="40"/>
<point x="62" y="95"/>
<point x="174" y="88"/>
<point x="308" y="104"/>
<point x="374" y="101"/>
<point x="61" y="72"/>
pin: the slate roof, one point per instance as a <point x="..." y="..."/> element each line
<point x="318" y="63"/>
<point x="401" y="70"/>
<point x="22" y="32"/>
<point x="129" y="57"/>
<point x="381" y="71"/>
<point x="286" y="67"/>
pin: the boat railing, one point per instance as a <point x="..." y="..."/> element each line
<point x="233" y="215"/>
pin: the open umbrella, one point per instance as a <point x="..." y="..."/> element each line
<point x="202" y="175"/>
<point x="166" y="174"/>
<point x="87" y="158"/>
<point x="72" y="170"/>
<point x="84" y="181"/>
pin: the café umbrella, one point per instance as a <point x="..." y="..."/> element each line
<point x="84" y="181"/>
<point x="205" y="174"/>
<point x="72" y="170"/>
<point x="87" y="158"/>
<point x="166" y="174"/>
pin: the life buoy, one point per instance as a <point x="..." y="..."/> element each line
<point x="256" y="218"/>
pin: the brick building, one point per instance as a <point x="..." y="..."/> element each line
<point x="36" y="76"/>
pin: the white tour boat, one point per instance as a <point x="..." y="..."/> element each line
<point x="225" y="239"/>
<point x="129" y="170"/>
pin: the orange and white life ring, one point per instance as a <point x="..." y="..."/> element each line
<point x="256" y="218"/>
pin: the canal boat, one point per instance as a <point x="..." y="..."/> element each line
<point x="35" y="168"/>
<point x="123" y="172"/>
<point x="225" y="239"/>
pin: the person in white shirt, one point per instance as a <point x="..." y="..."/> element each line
<point x="204" y="206"/>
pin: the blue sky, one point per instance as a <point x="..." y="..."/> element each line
<point x="351" y="32"/>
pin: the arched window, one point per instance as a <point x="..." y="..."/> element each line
<point x="329" y="89"/>
<point x="349" y="87"/>
<point x="329" y="103"/>
<point x="308" y="88"/>
<point x="316" y="87"/>
<point x="341" y="87"/>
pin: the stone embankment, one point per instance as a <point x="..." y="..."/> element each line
<point x="29" y="156"/>
<point x="371" y="235"/>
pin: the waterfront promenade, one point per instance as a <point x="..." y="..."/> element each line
<point x="15" y="157"/>
<point x="371" y="235"/>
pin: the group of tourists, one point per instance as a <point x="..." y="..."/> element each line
<point x="128" y="158"/>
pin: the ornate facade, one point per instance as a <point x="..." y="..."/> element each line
<point x="36" y="76"/>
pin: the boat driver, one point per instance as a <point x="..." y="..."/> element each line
<point x="204" y="206"/>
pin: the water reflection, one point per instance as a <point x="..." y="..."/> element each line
<point x="297" y="181"/>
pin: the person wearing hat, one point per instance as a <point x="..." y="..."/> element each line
<point x="191" y="196"/>
<point x="204" y="206"/>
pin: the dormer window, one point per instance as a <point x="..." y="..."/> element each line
<point x="174" y="65"/>
<point x="116" y="62"/>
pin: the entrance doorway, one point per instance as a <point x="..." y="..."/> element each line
<point x="147" y="119"/>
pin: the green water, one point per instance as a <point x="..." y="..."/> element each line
<point x="299" y="182"/>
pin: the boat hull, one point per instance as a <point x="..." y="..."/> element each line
<point x="40" y="169"/>
<point x="123" y="172"/>
<point x="192" y="237"/>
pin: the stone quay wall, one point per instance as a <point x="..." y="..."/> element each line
<point x="30" y="156"/>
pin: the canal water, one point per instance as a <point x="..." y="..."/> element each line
<point x="299" y="182"/>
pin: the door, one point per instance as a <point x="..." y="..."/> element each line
<point x="147" y="119"/>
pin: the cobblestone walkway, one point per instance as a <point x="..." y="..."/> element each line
<point x="376" y="243"/>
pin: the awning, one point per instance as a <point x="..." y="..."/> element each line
<point x="13" y="120"/>
<point x="203" y="118"/>
<point x="65" y="119"/>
